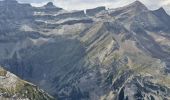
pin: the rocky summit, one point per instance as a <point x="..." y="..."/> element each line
<point x="93" y="54"/>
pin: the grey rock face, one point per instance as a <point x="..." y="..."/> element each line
<point x="11" y="9"/>
<point x="94" y="11"/>
<point x="129" y="10"/>
<point x="115" y="54"/>
<point x="48" y="8"/>
<point x="161" y="13"/>
<point x="74" y="14"/>
<point x="141" y="88"/>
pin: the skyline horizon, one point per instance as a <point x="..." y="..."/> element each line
<point x="111" y="4"/>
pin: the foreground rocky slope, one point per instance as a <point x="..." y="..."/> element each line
<point x="13" y="88"/>
<point x="99" y="54"/>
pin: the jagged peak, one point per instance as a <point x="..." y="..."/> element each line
<point x="161" y="9"/>
<point x="137" y="5"/>
<point x="132" y="9"/>
<point x="50" y="5"/>
<point x="137" y="2"/>
<point x="160" y="12"/>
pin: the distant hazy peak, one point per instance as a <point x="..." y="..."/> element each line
<point x="161" y="12"/>
<point x="129" y="10"/>
<point x="50" y="5"/>
<point x="161" y="9"/>
<point x="137" y="5"/>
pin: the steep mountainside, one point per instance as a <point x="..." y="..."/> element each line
<point x="96" y="54"/>
<point x="13" y="88"/>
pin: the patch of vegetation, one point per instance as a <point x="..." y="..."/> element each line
<point x="33" y="93"/>
<point x="3" y="72"/>
<point x="116" y="57"/>
<point x="25" y="90"/>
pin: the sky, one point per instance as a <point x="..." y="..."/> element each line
<point x="84" y="4"/>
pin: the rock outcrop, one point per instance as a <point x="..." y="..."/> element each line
<point x="13" y="88"/>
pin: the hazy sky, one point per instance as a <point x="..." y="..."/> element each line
<point x="83" y="4"/>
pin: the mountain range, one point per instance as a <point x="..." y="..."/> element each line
<point x="93" y="54"/>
